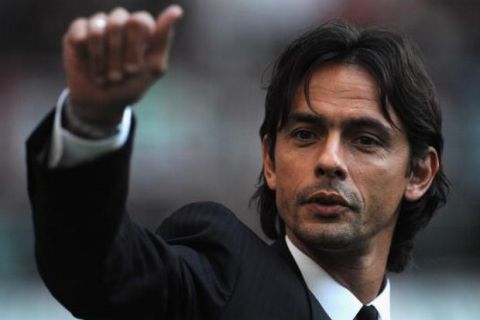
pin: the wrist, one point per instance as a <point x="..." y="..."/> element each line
<point x="83" y="126"/>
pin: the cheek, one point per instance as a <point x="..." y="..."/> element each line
<point x="290" y="176"/>
<point x="381" y="185"/>
<point x="287" y="184"/>
<point x="284" y="200"/>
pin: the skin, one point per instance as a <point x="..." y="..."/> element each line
<point x="340" y="171"/>
<point x="110" y="60"/>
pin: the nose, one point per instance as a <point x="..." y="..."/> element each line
<point x="330" y="162"/>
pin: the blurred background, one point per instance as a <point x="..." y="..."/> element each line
<point x="197" y="135"/>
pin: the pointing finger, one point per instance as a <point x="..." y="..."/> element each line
<point x="162" y="38"/>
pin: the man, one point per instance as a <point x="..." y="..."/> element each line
<point x="352" y="170"/>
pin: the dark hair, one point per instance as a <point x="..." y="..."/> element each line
<point x="395" y="63"/>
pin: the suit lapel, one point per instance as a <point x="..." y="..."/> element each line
<point x="316" y="310"/>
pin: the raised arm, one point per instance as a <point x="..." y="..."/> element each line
<point x="111" y="60"/>
<point x="89" y="253"/>
<point x="92" y="257"/>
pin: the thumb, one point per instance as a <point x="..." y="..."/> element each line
<point x="162" y="38"/>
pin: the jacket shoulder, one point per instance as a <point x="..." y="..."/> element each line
<point x="201" y="219"/>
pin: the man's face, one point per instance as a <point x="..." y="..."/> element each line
<point x="340" y="168"/>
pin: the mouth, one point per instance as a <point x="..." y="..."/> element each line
<point x="327" y="204"/>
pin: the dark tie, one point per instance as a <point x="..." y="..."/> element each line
<point x="367" y="313"/>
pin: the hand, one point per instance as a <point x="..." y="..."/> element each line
<point x="111" y="60"/>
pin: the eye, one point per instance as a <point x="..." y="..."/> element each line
<point x="367" y="141"/>
<point x="303" y="135"/>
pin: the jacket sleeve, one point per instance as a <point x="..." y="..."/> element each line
<point x="101" y="265"/>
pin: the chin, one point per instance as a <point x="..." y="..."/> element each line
<point x="329" y="238"/>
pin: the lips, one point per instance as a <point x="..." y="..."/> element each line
<point x="326" y="203"/>
<point x="327" y="198"/>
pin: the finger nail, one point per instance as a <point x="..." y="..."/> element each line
<point x="177" y="10"/>
<point x="99" y="23"/>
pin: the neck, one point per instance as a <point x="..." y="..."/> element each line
<point x="361" y="270"/>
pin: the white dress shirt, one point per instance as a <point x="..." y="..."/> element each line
<point x="339" y="303"/>
<point x="68" y="149"/>
<point x="336" y="300"/>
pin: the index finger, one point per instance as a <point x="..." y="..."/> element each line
<point x="161" y="38"/>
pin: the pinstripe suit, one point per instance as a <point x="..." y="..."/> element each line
<point x="201" y="263"/>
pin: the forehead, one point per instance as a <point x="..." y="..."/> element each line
<point x="342" y="90"/>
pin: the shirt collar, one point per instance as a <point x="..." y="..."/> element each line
<point x="337" y="301"/>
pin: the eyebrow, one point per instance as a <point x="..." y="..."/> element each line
<point x="354" y="123"/>
<point x="300" y="117"/>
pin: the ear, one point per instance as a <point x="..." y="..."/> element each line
<point x="422" y="173"/>
<point x="268" y="164"/>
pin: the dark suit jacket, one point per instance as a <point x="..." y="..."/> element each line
<point x="202" y="263"/>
